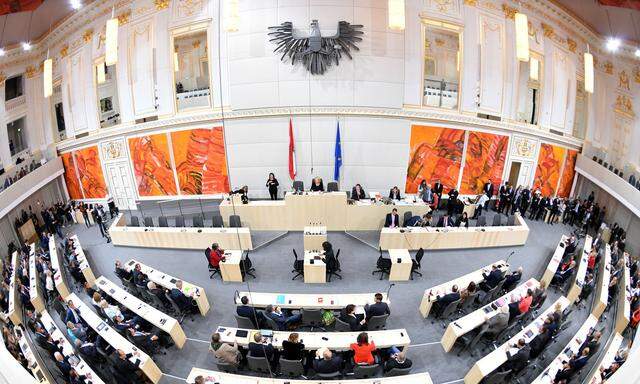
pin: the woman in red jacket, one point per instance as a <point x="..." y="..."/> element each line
<point x="363" y="350"/>
<point x="216" y="255"/>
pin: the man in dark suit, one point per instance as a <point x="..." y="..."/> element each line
<point x="392" y="220"/>
<point x="572" y="366"/>
<point x="518" y="361"/>
<point x="379" y="308"/>
<point x="445" y="221"/>
<point x="488" y="189"/>
<point x="540" y="342"/>
<point x="452" y="203"/>
<point x="245" y="310"/>
<point x="328" y="364"/>
<point x="437" y="189"/>
<point x="87" y="349"/>
<point x="347" y="315"/>
<point x="125" y="370"/>
<point x="442" y="302"/>
<point x="73" y="315"/>
<point x="503" y="196"/>
<point x="491" y="279"/>
<point x="183" y="302"/>
<point x="512" y="279"/>
<point x="260" y="348"/>
<point x="63" y="364"/>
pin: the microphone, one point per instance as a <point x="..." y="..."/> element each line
<point x="389" y="289"/>
<point x="511" y="254"/>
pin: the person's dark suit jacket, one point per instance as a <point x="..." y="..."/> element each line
<point x="450" y="222"/>
<point x="353" y="322"/>
<point x="437" y="189"/>
<point x="261" y="350"/>
<point x="377" y="309"/>
<point x="356" y="196"/>
<point x="64" y="366"/>
<point x="448" y="299"/>
<point x="250" y="312"/>
<point x="72" y="316"/>
<point x="488" y="189"/>
<point x="89" y="350"/>
<point x="387" y="220"/>
<point x="518" y="361"/>
<point x="127" y="369"/>
<point x="493" y="278"/>
<point x="578" y="362"/>
<point x="393" y="363"/>
<point x="539" y="343"/>
<point x="395" y="196"/>
<point x="512" y="279"/>
<point x="328" y="366"/>
<point x="453" y="194"/>
<point x="179" y="298"/>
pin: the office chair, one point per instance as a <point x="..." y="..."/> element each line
<point x="415" y="263"/>
<point x="377" y="323"/>
<point x="258" y="364"/>
<point x="148" y="221"/>
<point x="135" y="221"/>
<point x="312" y="318"/>
<point x="468" y="304"/>
<point x="244" y="322"/>
<point x="291" y="368"/>
<point x="398" y="372"/>
<point x="226" y="367"/>
<point x="341" y="326"/>
<point x="162" y="222"/>
<point x="298" y="185"/>
<point x="498" y="378"/>
<point x="332" y="269"/>
<point x="497" y="220"/>
<point x="482" y="222"/>
<point x="338" y="261"/>
<point x="246" y="266"/>
<point x="447" y="312"/>
<point x="217" y="222"/>
<point x="271" y="324"/>
<point x="406" y="217"/>
<point x="179" y="222"/>
<point x="234" y="221"/>
<point x="212" y="270"/>
<point x="197" y="221"/>
<point x="298" y="266"/>
<point x="511" y="220"/>
<point x="383" y="265"/>
<point x="365" y="371"/>
<point x="332" y="186"/>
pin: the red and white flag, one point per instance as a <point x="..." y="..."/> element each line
<point x="292" y="153"/>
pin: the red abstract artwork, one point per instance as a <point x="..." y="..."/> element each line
<point x="436" y="154"/>
<point x="70" y="176"/>
<point x="568" y="173"/>
<point x="90" y="173"/>
<point x="484" y="161"/>
<point x="152" y="165"/>
<point x="548" y="170"/>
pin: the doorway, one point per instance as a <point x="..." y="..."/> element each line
<point x="514" y="173"/>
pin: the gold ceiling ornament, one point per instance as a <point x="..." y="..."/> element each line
<point x="572" y="45"/>
<point x="30" y="71"/>
<point x="64" y="51"/>
<point x="196" y="44"/>
<point x="608" y="67"/>
<point x="471" y="3"/>
<point x="3" y="77"/>
<point x="439" y="42"/>
<point x="509" y="12"/>
<point x="548" y="30"/>
<point x="444" y="5"/>
<point x="623" y="80"/>
<point x="161" y="4"/>
<point x="532" y="30"/>
<point x="636" y="74"/>
<point x="624" y="106"/>
<point x="87" y="35"/>
<point x="123" y="18"/>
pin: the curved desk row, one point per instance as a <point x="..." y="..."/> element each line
<point x="228" y="378"/>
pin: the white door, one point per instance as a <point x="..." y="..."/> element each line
<point x="120" y="185"/>
<point x="524" y="178"/>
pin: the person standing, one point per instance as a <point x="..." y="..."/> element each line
<point x="272" y="184"/>
<point x="437" y="190"/>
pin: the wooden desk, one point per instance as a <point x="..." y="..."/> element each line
<point x="28" y="232"/>
<point x="337" y="341"/>
<point x="467" y="323"/>
<point x="400" y="265"/>
<point x="555" y="261"/>
<point x="328" y="209"/>
<point x="316" y="272"/>
<point x="167" y="281"/>
<point x="454" y="237"/>
<point x="547" y="376"/>
<point x="178" y="238"/>
<point x="602" y="289"/>
<point x="581" y="272"/>
<point x="623" y="312"/>
<point x="431" y="294"/>
<point x="313" y="237"/>
<point x="606" y="360"/>
<point x="35" y="291"/>
<point x="228" y="378"/>
<point x="230" y="267"/>
<point x="15" y="307"/>
<point x="489" y="363"/>
<point x="35" y="364"/>
<point x="155" y="317"/>
<point x="67" y="349"/>
<point x="111" y="336"/>
<point x="83" y="262"/>
<point x="329" y="301"/>
<point x="59" y="277"/>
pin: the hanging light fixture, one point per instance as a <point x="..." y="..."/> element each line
<point x="522" y="36"/>
<point x="231" y="16"/>
<point x="111" y="43"/>
<point x="48" y="77"/>
<point x="534" y="69"/>
<point x="176" y="66"/>
<point x="588" y="71"/>
<point x="26" y="45"/>
<point x="396" y="14"/>
<point x="2" y="51"/>
<point x="101" y="71"/>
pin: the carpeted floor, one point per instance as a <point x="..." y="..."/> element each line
<point x="273" y="263"/>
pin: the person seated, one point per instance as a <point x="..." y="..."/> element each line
<point x="224" y="352"/>
<point x="145" y="340"/>
<point x="292" y="349"/>
<point x="413" y="221"/>
<point x="442" y="302"/>
<point x="215" y="255"/>
<point x="606" y="373"/>
<point x="394" y="194"/>
<point x="122" y="273"/>
<point x="328" y="364"/>
<point x="317" y="185"/>
<point x="363" y="350"/>
<point x="592" y="342"/>
<point x="564" y="272"/>
<point x="398" y="360"/>
<point x="125" y="371"/>
<point x="139" y="278"/>
<point x="249" y="312"/>
<point x="491" y="279"/>
<point x="357" y="193"/>
<point x="112" y="311"/>
<point x="540" y="342"/>
<point x="348" y="315"/>
<point x="463" y="221"/>
<point x="471" y="289"/>
<point x="517" y="356"/>
<point x="445" y="221"/>
<point x="569" y="368"/>
<point x="539" y="295"/>
<point x="159" y="293"/>
<point x="497" y="323"/>
<point x="87" y="349"/>
<point x="512" y="280"/>
<point x="182" y="301"/>
<point x="378" y="308"/>
<point x="283" y="321"/>
<point x="521" y="306"/>
<point x="393" y="219"/>
<point x="259" y="347"/>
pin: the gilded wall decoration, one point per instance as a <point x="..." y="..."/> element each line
<point x="113" y="150"/>
<point x="471" y="3"/>
<point x="450" y="7"/>
<point x="123" y="18"/>
<point x="623" y="80"/>
<point x="161" y="4"/>
<point x="608" y="67"/>
<point x="636" y="74"/>
<point x="64" y="51"/>
<point x="624" y="106"/>
<point x="571" y="44"/>
<point x="509" y="12"/>
<point x="188" y="8"/>
<point x="548" y="30"/>
<point x="87" y="35"/>
<point x="523" y="147"/>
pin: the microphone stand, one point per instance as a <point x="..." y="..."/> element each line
<point x="389" y="289"/>
<point x="511" y="254"/>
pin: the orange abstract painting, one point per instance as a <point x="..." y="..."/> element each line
<point x="200" y="159"/>
<point x="152" y="165"/>
<point x="568" y="172"/>
<point x="90" y="173"/>
<point x="484" y="161"/>
<point x="436" y="154"/>
<point x="70" y="176"/>
<point x="548" y="170"/>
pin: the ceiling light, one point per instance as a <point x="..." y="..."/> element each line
<point x="588" y="72"/>
<point x="395" y="10"/>
<point x="613" y="44"/>
<point x="111" y="44"/>
<point x="75" y="4"/>
<point x="522" y="37"/>
<point x="26" y="46"/>
<point x="2" y="52"/>
<point x="637" y="52"/>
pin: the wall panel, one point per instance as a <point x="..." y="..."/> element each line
<point x="152" y="167"/>
<point x="484" y="161"/>
<point x="550" y="160"/>
<point x="492" y="63"/>
<point x="141" y="68"/>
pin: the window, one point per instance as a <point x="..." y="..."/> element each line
<point x="529" y="88"/>
<point x="191" y="70"/>
<point x="13" y="87"/>
<point x="441" y="65"/>
<point x="107" y="89"/>
<point x="59" y="129"/>
<point x="580" y="118"/>
<point x="15" y="133"/>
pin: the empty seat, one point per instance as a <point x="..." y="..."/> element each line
<point x="332" y="186"/>
<point x="148" y="221"/>
<point x="497" y="220"/>
<point x="258" y="364"/>
<point x="482" y="221"/>
<point x="298" y="185"/>
<point x="365" y="371"/>
<point x="179" y="221"/>
<point x="291" y="368"/>
<point x="216" y="221"/>
<point x="234" y="221"/>
<point x="511" y="220"/>
<point x="162" y="221"/>
<point x="197" y="221"/>
<point x="135" y="221"/>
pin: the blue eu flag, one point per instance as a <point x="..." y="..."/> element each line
<point x="338" y="155"/>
